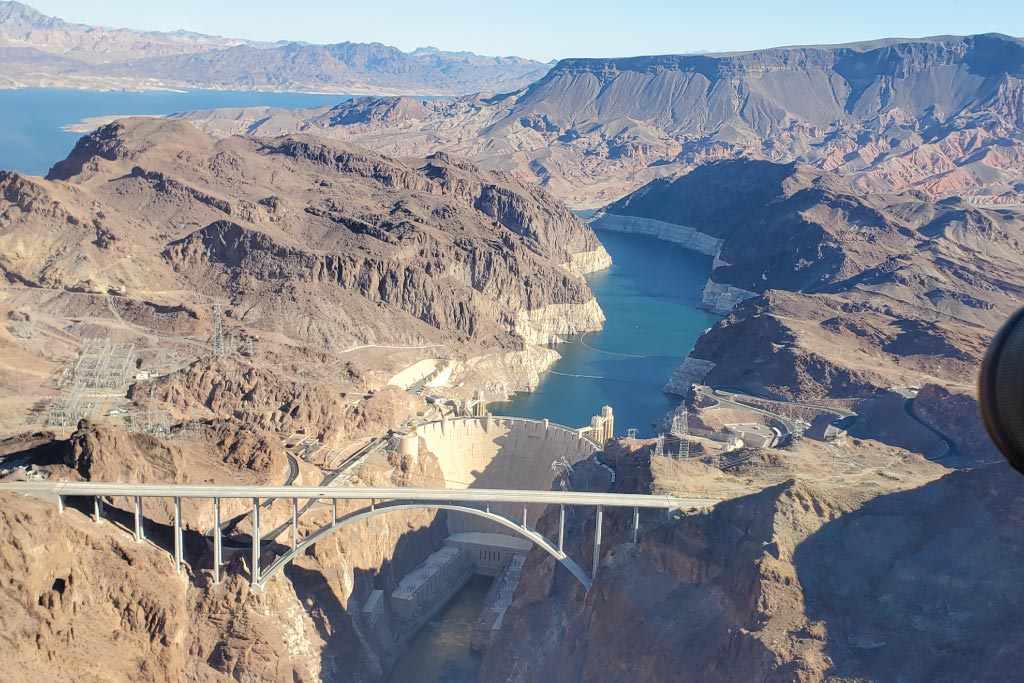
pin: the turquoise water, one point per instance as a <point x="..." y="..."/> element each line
<point x="440" y="652"/>
<point x="31" y="139"/>
<point x="650" y="297"/>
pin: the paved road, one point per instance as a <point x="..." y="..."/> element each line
<point x="735" y="392"/>
<point x="92" y="489"/>
<point x="908" y="406"/>
<point x="293" y="469"/>
<point x="329" y="479"/>
<point x="790" y="426"/>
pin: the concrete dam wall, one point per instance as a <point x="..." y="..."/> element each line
<point x="501" y="452"/>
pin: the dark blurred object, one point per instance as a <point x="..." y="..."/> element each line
<point x="1001" y="390"/>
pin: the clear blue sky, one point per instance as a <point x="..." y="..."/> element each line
<point x="551" y="29"/>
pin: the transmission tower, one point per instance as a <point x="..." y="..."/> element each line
<point x="659" y="447"/>
<point x="631" y="433"/>
<point x="218" y="330"/>
<point x="681" y="430"/>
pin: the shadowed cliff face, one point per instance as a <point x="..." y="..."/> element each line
<point x="794" y="583"/>
<point x="940" y="115"/>
<point x="921" y="585"/>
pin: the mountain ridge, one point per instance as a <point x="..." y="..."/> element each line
<point x="939" y="115"/>
<point x="122" y="58"/>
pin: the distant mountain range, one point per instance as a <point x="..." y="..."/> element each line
<point x="943" y="116"/>
<point x="42" y="51"/>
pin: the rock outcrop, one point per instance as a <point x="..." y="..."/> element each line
<point x="834" y="292"/>
<point x="266" y="399"/>
<point x="321" y="255"/>
<point x="691" y="371"/>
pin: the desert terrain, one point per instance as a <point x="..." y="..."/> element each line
<point x="247" y="296"/>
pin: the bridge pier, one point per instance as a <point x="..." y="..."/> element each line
<point x="97" y="509"/>
<point x="177" y="535"/>
<point x="255" y="540"/>
<point x="561" y="528"/>
<point x="139" y="533"/>
<point x="597" y="541"/>
<point x="636" y="524"/>
<point x="295" y="522"/>
<point x="218" y="549"/>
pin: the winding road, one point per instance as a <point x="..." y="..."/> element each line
<point x="908" y="406"/>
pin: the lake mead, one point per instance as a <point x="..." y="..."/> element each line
<point x="32" y="138"/>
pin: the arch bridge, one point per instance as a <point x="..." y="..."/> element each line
<point x="477" y="502"/>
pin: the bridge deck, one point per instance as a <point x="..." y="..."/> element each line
<point x="354" y="493"/>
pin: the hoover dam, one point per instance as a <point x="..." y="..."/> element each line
<point x="501" y="452"/>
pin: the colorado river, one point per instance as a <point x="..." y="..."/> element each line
<point x="650" y="297"/>
<point x="440" y="651"/>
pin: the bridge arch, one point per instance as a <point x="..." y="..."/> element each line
<point x="366" y="513"/>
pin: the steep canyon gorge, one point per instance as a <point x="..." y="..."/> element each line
<point x="862" y="205"/>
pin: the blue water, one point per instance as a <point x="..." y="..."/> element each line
<point x="31" y="139"/>
<point x="439" y="652"/>
<point x="650" y="297"/>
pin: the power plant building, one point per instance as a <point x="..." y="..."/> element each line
<point x="429" y="586"/>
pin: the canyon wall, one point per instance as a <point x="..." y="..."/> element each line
<point x="685" y="236"/>
<point x="801" y="581"/>
<point x="691" y="371"/>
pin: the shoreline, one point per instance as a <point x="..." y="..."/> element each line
<point x="354" y="91"/>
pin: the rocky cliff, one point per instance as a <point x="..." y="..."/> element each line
<point x="313" y="247"/>
<point x="266" y="399"/>
<point x="939" y="115"/>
